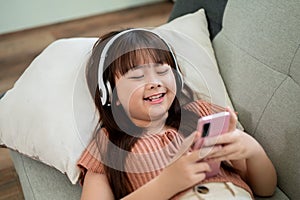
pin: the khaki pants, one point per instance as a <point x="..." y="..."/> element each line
<point x="226" y="191"/>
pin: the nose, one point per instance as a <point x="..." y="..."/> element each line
<point x="153" y="82"/>
<point x="154" y="85"/>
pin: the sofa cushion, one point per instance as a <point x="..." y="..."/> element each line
<point x="258" y="56"/>
<point x="39" y="181"/>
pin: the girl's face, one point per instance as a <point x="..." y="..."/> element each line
<point x="146" y="92"/>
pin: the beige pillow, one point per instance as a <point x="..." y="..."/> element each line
<point x="189" y="36"/>
<point x="49" y="114"/>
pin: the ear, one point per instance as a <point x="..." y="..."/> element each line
<point x="118" y="102"/>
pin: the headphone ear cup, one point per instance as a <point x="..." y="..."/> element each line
<point x="106" y="94"/>
<point x="103" y="94"/>
<point x="109" y="93"/>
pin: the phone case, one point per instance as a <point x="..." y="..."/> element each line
<point x="212" y="125"/>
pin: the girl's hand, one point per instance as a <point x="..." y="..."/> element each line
<point x="235" y="144"/>
<point x="185" y="172"/>
<point x="247" y="155"/>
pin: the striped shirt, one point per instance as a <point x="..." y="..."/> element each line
<point x="152" y="153"/>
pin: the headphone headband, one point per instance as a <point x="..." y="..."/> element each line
<point x="105" y="88"/>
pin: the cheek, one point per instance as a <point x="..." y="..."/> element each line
<point x="127" y="93"/>
<point x="171" y="84"/>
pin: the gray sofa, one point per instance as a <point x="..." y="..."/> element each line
<point x="257" y="48"/>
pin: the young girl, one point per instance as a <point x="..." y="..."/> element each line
<point x="148" y="118"/>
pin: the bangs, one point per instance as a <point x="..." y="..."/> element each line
<point x="142" y="56"/>
<point x="137" y="48"/>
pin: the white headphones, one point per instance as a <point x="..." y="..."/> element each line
<point x="105" y="88"/>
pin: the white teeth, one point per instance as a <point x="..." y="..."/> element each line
<point x="155" y="97"/>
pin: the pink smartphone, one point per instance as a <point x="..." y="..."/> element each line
<point x="208" y="126"/>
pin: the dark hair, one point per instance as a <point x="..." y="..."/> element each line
<point x="117" y="132"/>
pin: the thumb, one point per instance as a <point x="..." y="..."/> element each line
<point x="198" y="141"/>
<point x="185" y="146"/>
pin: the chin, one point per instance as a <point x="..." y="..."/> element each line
<point x="159" y="115"/>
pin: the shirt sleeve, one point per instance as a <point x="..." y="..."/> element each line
<point x="203" y="108"/>
<point x="90" y="160"/>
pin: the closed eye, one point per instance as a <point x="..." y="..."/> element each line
<point x="135" y="73"/>
<point x="136" y="77"/>
<point x="162" y="72"/>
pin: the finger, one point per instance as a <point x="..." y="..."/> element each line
<point x="233" y="119"/>
<point x="231" y="111"/>
<point x="198" y="177"/>
<point x="225" y="153"/>
<point x="206" y="152"/>
<point x="223" y="139"/>
<point x="201" y="167"/>
<point x="198" y="140"/>
<point x="185" y="145"/>
<point x="234" y="156"/>
<point x="195" y="156"/>
<point x="199" y="154"/>
<point x="216" y="140"/>
<point x="197" y="135"/>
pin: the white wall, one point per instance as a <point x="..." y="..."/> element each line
<point x="23" y="14"/>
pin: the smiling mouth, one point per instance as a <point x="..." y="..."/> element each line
<point x="154" y="97"/>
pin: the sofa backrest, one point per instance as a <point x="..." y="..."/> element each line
<point x="214" y="10"/>
<point x="258" y="52"/>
